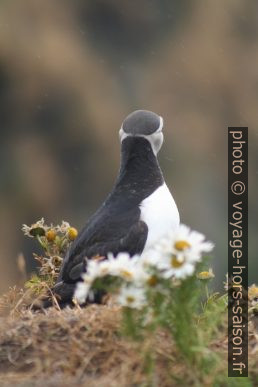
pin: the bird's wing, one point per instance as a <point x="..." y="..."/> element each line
<point x="132" y="243"/>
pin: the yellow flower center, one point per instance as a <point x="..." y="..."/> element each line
<point x="182" y="245"/>
<point x="130" y="299"/>
<point x="126" y="274"/>
<point x="205" y="275"/>
<point x="153" y="280"/>
<point x="175" y="262"/>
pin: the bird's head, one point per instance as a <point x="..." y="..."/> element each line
<point x="143" y="123"/>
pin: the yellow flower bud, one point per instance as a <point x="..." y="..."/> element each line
<point x="72" y="233"/>
<point x="205" y="275"/>
<point x="253" y="292"/>
<point x="51" y="235"/>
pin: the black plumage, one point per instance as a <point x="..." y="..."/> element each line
<point x="116" y="226"/>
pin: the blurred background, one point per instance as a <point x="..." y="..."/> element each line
<point x="71" y="71"/>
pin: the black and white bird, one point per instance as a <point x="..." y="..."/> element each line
<point x="137" y="213"/>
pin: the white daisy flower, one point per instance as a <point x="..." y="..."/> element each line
<point x="184" y="243"/>
<point x="177" y="253"/>
<point x="64" y="227"/>
<point x="36" y="229"/>
<point x="177" y="267"/>
<point x="81" y="292"/>
<point x="132" y="297"/>
<point x="95" y="269"/>
<point x="151" y="258"/>
<point x="125" y="266"/>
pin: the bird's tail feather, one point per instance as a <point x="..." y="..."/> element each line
<point x="62" y="294"/>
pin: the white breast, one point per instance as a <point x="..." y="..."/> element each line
<point x="160" y="213"/>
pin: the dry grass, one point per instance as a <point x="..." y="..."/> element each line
<point x="73" y="347"/>
<point x="84" y="347"/>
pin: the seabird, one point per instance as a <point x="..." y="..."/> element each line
<point x="138" y="211"/>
